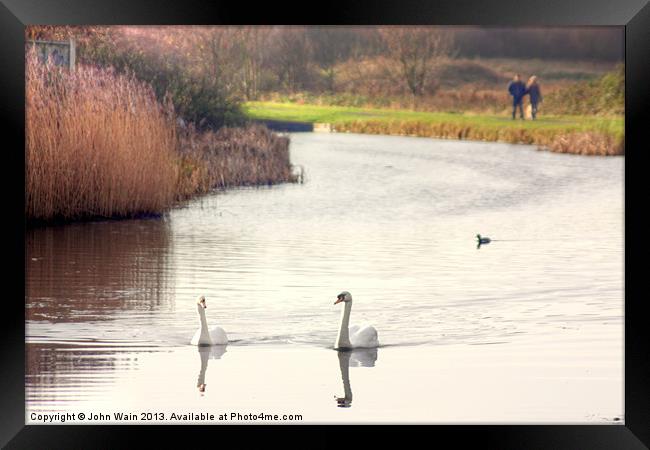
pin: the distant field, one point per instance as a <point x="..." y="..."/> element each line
<point x="554" y="132"/>
<point x="463" y="87"/>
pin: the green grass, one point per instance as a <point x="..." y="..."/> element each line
<point x="587" y="135"/>
<point x="292" y="112"/>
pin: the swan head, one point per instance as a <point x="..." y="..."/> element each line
<point x="344" y="296"/>
<point x="201" y="301"/>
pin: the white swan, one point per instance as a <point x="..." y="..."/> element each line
<point x="353" y="336"/>
<point x="203" y="336"/>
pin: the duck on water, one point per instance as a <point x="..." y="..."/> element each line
<point x="482" y="240"/>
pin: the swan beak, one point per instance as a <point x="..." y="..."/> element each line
<point x="338" y="300"/>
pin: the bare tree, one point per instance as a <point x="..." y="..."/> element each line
<point x="416" y="49"/>
<point x="291" y="55"/>
<point x="253" y="50"/>
<point x="330" y="46"/>
<point x="220" y="58"/>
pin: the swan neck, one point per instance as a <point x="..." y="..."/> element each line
<point x="205" y="334"/>
<point x="204" y="366"/>
<point x="343" y="340"/>
<point x="202" y="319"/>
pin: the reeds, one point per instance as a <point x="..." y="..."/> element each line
<point x="245" y="156"/>
<point x="587" y="143"/>
<point x="98" y="144"/>
<point x="569" y="141"/>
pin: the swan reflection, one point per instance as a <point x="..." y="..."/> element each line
<point x="206" y="353"/>
<point x="361" y="357"/>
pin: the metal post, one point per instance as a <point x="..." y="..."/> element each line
<point x="73" y="54"/>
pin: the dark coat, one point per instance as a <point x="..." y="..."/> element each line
<point x="535" y="93"/>
<point x="517" y="89"/>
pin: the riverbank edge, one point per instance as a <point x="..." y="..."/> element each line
<point x="588" y="143"/>
<point x="138" y="215"/>
<point x="200" y="170"/>
<point x="59" y="221"/>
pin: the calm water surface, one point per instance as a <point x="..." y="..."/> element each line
<point x="528" y="328"/>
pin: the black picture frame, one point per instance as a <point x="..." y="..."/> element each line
<point x="634" y="15"/>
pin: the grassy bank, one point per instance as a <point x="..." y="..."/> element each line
<point x="99" y="144"/>
<point x="595" y="135"/>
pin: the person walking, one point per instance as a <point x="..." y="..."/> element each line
<point x="534" y="93"/>
<point x="517" y="89"/>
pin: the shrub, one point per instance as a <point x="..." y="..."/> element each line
<point x="196" y="97"/>
<point x="605" y="95"/>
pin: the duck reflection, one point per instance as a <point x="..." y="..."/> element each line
<point x="360" y="357"/>
<point x="206" y="353"/>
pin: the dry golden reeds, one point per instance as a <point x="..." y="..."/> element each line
<point x="98" y="144"/>
<point x="245" y="156"/>
<point x="587" y="143"/>
<point x="578" y="142"/>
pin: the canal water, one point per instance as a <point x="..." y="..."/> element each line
<point x="525" y="329"/>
